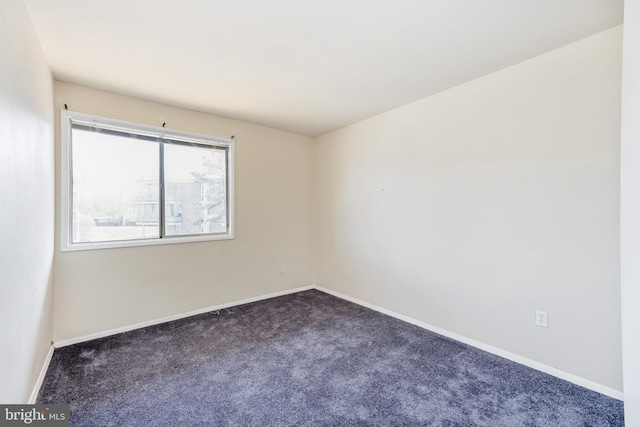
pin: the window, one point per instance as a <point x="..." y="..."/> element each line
<point x="127" y="184"/>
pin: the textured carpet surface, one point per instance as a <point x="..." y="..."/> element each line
<point x="307" y="359"/>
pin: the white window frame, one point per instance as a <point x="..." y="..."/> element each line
<point x="66" y="212"/>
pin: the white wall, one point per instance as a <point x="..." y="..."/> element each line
<point x="26" y="215"/>
<point x="630" y="211"/>
<point x="470" y="209"/>
<point x="100" y="290"/>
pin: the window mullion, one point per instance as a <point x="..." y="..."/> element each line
<point x="227" y="192"/>
<point x="161" y="221"/>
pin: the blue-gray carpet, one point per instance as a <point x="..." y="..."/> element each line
<point x="307" y="359"/>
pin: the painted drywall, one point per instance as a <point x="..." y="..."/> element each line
<point x="105" y="289"/>
<point x="26" y="216"/>
<point x="630" y="211"/>
<point x="470" y="209"/>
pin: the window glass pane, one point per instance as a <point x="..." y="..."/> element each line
<point x="115" y="188"/>
<point x="195" y="190"/>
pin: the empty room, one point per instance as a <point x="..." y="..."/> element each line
<point x="320" y="213"/>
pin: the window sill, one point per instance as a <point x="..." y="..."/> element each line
<point x="73" y="247"/>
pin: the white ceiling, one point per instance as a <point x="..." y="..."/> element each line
<point x="306" y="66"/>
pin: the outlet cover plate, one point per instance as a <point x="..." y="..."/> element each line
<point x="541" y="318"/>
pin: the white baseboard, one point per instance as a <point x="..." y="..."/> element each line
<point x="607" y="391"/>
<point x="71" y="341"/>
<point x="40" y="380"/>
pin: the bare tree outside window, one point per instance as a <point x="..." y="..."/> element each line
<point x="196" y="190"/>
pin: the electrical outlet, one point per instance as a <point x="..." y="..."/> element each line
<point x="541" y="318"/>
<point x="283" y="268"/>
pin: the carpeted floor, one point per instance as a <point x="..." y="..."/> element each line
<point x="307" y="359"/>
